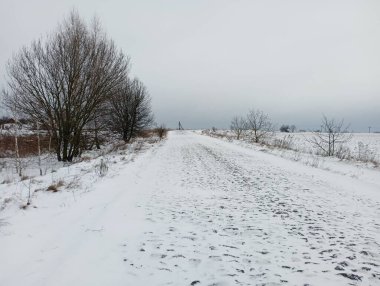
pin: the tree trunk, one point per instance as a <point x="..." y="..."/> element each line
<point x="18" y="163"/>
<point x="97" y="144"/>
<point x="65" y="147"/>
<point x="39" y="147"/>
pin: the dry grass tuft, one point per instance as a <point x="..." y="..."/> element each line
<point x="55" y="187"/>
<point x="23" y="178"/>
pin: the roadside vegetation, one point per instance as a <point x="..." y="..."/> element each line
<point x="71" y="99"/>
<point x="75" y="85"/>
<point x="333" y="138"/>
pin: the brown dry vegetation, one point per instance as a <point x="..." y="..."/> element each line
<point x="27" y="145"/>
<point x="147" y="133"/>
<point x="55" y="187"/>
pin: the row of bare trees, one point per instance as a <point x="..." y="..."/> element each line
<point x="259" y="128"/>
<point x="75" y="79"/>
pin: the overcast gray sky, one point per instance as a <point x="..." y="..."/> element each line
<point x="205" y="61"/>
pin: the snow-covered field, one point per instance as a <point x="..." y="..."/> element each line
<point x="76" y="177"/>
<point x="361" y="152"/>
<point x="360" y="147"/>
<point x="360" y="142"/>
<point x="196" y="210"/>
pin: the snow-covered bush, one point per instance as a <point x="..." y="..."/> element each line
<point x="343" y="152"/>
<point x="285" y="142"/>
<point x="365" y="153"/>
<point x="102" y="168"/>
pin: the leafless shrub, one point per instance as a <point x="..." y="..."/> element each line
<point x="365" y="153"/>
<point x="139" y="145"/>
<point x="28" y="185"/>
<point x="146" y="133"/>
<point x="296" y="156"/>
<point x="331" y="134"/>
<point x="161" y="131"/>
<point x="238" y="126"/>
<point x="343" y="152"/>
<point x="102" y="168"/>
<point x="118" y="146"/>
<point x="314" y="161"/>
<point x="74" y="183"/>
<point x="285" y="142"/>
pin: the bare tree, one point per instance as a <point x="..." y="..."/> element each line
<point x="238" y="125"/>
<point x="259" y="125"/>
<point x="39" y="147"/>
<point x="63" y="81"/>
<point x="330" y="135"/>
<point x="130" y="110"/>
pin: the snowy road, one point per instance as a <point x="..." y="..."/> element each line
<point x="201" y="211"/>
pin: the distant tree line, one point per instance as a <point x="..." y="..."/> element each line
<point x="76" y="79"/>
<point x="288" y="128"/>
<point x="10" y="120"/>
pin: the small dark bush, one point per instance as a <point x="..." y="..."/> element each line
<point x="285" y="128"/>
<point x="55" y="187"/>
<point x="161" y="131"/>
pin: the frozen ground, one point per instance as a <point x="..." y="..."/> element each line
<point x="197" y="210"/>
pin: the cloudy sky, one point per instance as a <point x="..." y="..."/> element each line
<point x="205" y="61"/>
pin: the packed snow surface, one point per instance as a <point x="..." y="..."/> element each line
<point x="197" y="210"/>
